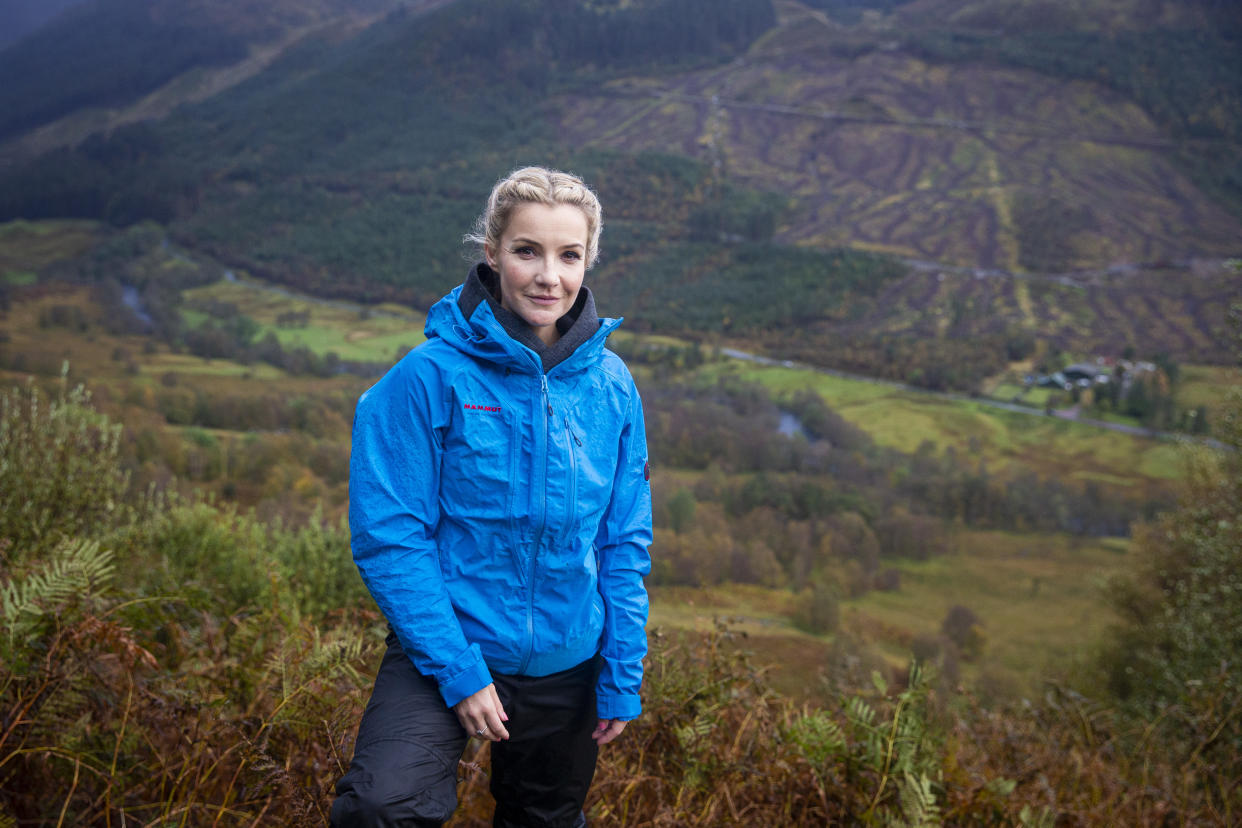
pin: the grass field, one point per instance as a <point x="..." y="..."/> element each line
<point x="28" y="246"/>
<point x="353" y="332"/>
<point x="1037" y="398"/>
<point x="1006" y="441"/>
<point x="1008" y="392"/>
<point x="187" y="365"/>
<point x="1039" y="598"/>
<point x="18" y="277"/>
<point x="1208" y="386"/>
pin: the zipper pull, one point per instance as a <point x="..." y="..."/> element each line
<point x="543" y="379"/>
<point x="569" y="429"/>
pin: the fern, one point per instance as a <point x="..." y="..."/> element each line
<point x="896" y="749"/>
<point x="860" y="714"/>
<point x="690" y="734"/>
<point x="297" y="666"/>
<point x="75" y="568"/>
<point x="918" y="802"/>
<point x="817" y="738"/>
<point x="1031" y="819"/>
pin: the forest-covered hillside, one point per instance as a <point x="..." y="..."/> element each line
<point x="1094" y="157"/>
<point x="103" y="55"/>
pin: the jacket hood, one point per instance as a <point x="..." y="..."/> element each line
<point x="483" y="336"/>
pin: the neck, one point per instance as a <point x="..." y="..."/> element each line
<point x="548" y="334"/>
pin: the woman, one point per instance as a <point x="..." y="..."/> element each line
<point x="501" y="514"/>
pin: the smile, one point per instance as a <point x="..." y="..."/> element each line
<point x="544" y="300"/>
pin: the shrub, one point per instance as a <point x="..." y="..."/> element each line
<point x="316" y="567"/>
<point x="817" y="609"/>
<point x="60" y="475"/>
<point x="1173" y="658"/>
<point x="233" y="721"/>
<point x="963" y="628"/>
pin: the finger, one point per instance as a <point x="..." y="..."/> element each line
<point x="480" y="728"/>
<point x="607" y="730"/>
<point x="482" y="715"/>
<point x="500" y="709"/>
<point x="496" y="730"/>
<point x="604" y="735"/>
<point x="494" y="717"/>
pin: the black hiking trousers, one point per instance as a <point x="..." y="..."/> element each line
<point x="404" y="770"/>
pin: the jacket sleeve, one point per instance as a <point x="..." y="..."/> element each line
<point x="622" y="541"/>
<point x="394" y="482"/>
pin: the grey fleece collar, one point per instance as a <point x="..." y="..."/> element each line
<point x="577" y="326"/>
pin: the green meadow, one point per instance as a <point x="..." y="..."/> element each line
<point x="31" y="245"/>
<point x="1208" y="386"/>
<point x="1039" y="599"/>
<point x="354" y="332"/>
<point x="1005" y="441"/>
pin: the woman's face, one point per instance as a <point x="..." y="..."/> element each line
<point x="541" y="259"/>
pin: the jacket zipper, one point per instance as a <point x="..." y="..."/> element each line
<point x="573" y="444"/>
<point x="541" y="468"/>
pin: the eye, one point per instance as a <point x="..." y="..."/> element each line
<point x="571" y="255"/>
<point x="525" y="251"/>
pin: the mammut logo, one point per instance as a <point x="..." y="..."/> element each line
<point x="490" y="409"/>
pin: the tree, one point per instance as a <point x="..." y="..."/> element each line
<point x="1173" y="659"/>
<point x="681" y="510"/>
<point x="818" y="609"/>
<point x="963" y="628"/>
<point x="1175" y="652"/>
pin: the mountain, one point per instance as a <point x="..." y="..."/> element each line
<point x="883" y="146"/>
<point x="887" y="186"/>
<point x="106" y="54"/>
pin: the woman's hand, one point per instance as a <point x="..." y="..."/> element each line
<point x="482" y="715"/>
<point x="607" y="730"/>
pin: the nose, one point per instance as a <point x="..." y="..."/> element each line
<point x="546" y="274"/>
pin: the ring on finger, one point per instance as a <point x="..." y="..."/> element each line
<point x="481" y="731"/>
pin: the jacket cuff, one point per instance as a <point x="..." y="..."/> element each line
<point x="623" y="708"/>
<point x="467" y="675"/>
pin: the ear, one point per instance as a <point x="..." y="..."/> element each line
<point x="489" y="254"/>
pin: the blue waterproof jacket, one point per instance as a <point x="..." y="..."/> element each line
<point x="500" y="515"/>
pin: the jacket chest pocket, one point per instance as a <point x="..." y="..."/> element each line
<point x="480" y="464"/>
<point x="593" y="466"/>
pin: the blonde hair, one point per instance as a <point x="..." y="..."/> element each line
<point x="537" y="185"/>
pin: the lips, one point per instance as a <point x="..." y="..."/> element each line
<point x="544" y="300"/>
